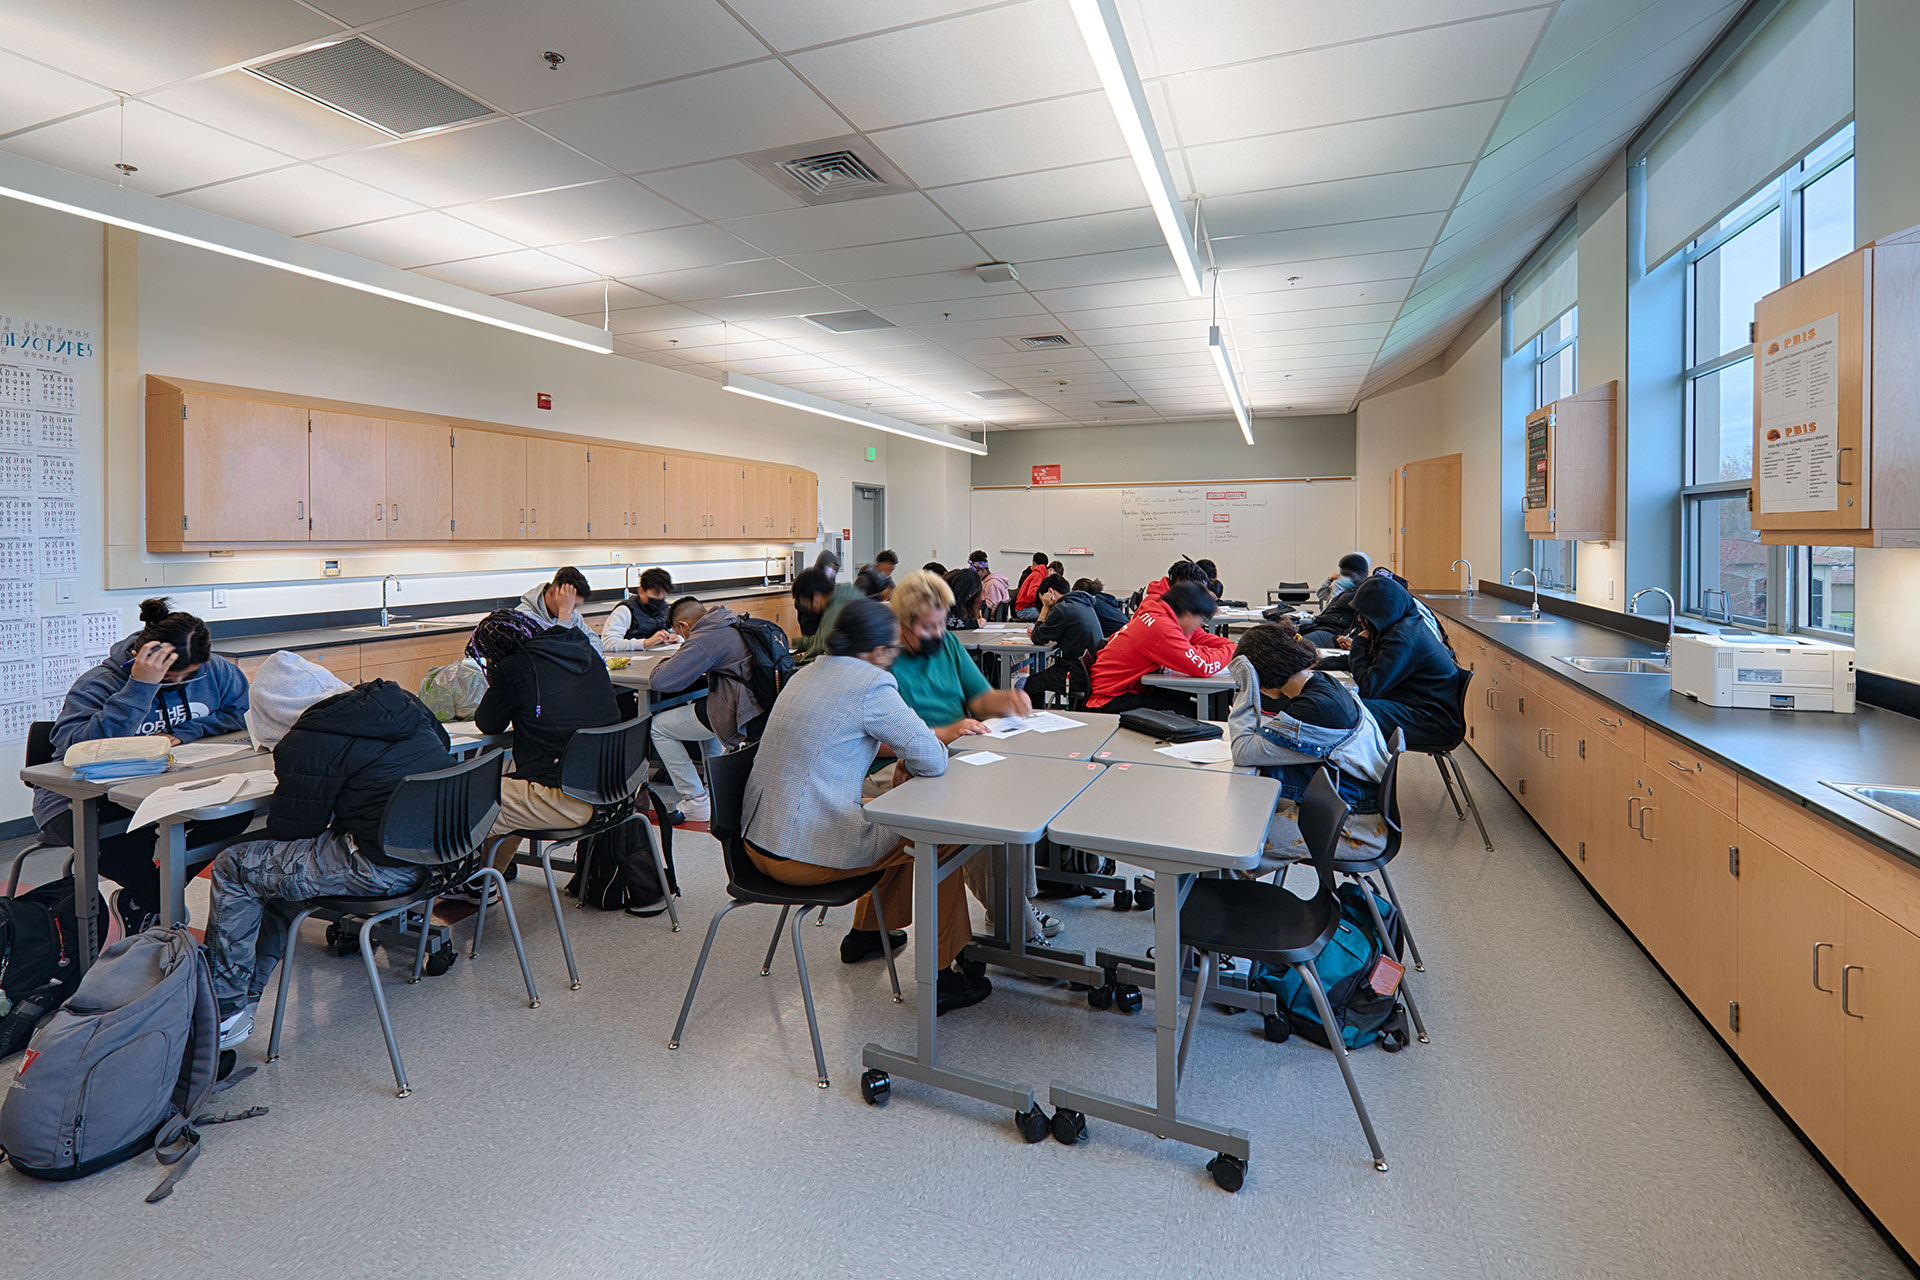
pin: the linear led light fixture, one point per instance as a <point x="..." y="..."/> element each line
<point x="742" y="385"/>
<point x="67" y="192"/>
<point x="1217" y="348"/>
<point x="1106" y="42"/>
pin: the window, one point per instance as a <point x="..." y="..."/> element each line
<point x="1555" y="356"/>
<point x="1796" y="224"/>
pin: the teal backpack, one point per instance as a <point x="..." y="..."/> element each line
<point x="1344" y="967"/>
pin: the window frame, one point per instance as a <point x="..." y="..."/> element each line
<point x="1538" y="355"/>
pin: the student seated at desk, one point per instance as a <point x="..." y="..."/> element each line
<point x="994" y="587"/>
<point x="809" y="618"/>
<point x="338" y="755"/>
<point x="969" y="600"/>
<point x="1112" y="614"/>
<point x="1291" y="722"/>
<point x="935" y="568"/>
<point x="1068" y="622"/>
<point x="874" y="584"/>
<point x="163" y="679"/>
<point x="1026" y="597"/>
<point x="640" y="621"/>
<point x="1337" y="618"/>
<point x="1403" y="669"/>
<point x="543" y="683"/>
<point x="1166" y="633"/>
<point x="887" y="563"/>
<point x="815" y="594"/>
<point x="557" y="603"/>
<point x="715" y="652"/>
<point x="801" y="814"/>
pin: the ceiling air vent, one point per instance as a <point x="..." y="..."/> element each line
<point x="848" y="321"/>
<point x="1000" y="393"/>
<point x="1118" y="404"/>
<point x="371" y="85"/>
<point x="828" y="172"/>
<point x="1043" y="341"/>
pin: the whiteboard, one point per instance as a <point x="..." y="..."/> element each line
<point x="1258" y="531"/>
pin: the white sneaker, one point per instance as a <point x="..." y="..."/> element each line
<point x="698" y="809"/>
<point x="235" y="1029"/>
<point x="471" y="895"/>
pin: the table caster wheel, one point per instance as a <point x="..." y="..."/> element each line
<point x="1100" y="997"/>
<point x="1143" y="898"/>
<point x="1229" y="1172"/>
<point x="1123" y="899"/>
<point x="875" y="1086"/>
<point x="1127" y="999"/>
<point x="440" y="961"/>
<point x="1033" y="1125"/>
<point x="1275" y="1027"/>
<point x="1069" y="1127"/>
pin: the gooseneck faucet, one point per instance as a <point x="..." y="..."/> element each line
<point x="1633" y="606"/>
<point x="1456" y="568"/>
<point x="1535" y="578"/>
<point x="394" y="578"/>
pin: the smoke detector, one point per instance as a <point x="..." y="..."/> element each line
<point x="996" y="273"/>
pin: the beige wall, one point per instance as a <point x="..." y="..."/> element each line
<point x="1601" y="221"/>
<point x="1212" y="449"/>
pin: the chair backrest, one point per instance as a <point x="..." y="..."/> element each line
<point x="1460" y="708"/>
<point x="727" y="776"/>
<point x="604" y="766"/>
<point x="1322" y="816"/>
<point x="438" y="818"/>
<point x="1002" y="612"/>
<point x="39" y="743"/>
<point x="1390" y="792"/>
<point x="1080" y="681"/>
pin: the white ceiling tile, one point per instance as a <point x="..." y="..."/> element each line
<point x="763" y="275"/>
<point x="492" y="48"/>
<point x="1445" y="135"/>
<point x="705" y="117"/>
<point x="1188" y="310"/>
<point x="31" y="93"/>
<point x="651" y="252"/>
<point x="136" y="45"/>
<point x="1298" y="277"/>
<point x="1120" y="293"/>
<point x="1036" y="197"/>
<point x="725" y="348"/>
<point x="1338" y="240"/>
<point x="905" y="215"/>
<point x="1064" y="237"/>
<point x="1097" y="268"/>
<point x="938" y="286"/>
<point x="776" y="305"/>
<point x="974" y="62"/>
<point x="789" y="26"/>
<point x="268" y="114"/>
<point x="590" y="212"/>
<point x="357" y="12"/>
<point x="639" y="320"/>
<point x="171" y="153"/>
<point x="1343" y="200"/>
<point x="1019" y="139"/>
<point x="509" y="272"/>
<point x="900" y="258"/>
<point x="927" y="313"/>
<point x="700" y="333"/>
<point x="1238" y="30"/>
<point x="458" y="166"/>
<point x="302" y="198"/>
<point x="720" y="189"/>
<point x="1578" y="24"/>
<point x="592" y="299"/>
<point x="416" y="240"/>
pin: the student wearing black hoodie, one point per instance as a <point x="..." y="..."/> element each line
<point x="339" y="754"/>
<point x="1338" y="617"/>
<point x="1403" y="671"/>
<point x="544" y="687"/>
<point x="1106" y="606"/>
<point x="1067" y="621"/>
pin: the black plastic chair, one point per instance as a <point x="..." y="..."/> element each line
<point x="748" y="885"/>
<point x="1080" y="681"/>
<point x="436" y="821"/>
<point x="605" y="768"/>
<point x="1443" y="760"/>
<point x="1362" y="869"/>
<point x="1258" y="921"/>
<point x="39" y="751"/>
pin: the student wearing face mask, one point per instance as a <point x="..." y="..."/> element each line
<point x="1338" y="617"/>
<point x="164" y="679"/>
<point x="640" y="621"/>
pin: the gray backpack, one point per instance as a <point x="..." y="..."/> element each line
<point x="122" y="1067"/>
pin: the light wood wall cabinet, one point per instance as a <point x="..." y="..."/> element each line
<point x="1836" y="403"/>
<point x="227" y="467"/>
<point x="1796" y="941"/>
<point x="1569" y="491"/>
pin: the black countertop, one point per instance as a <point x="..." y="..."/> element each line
<point x="1788" y="752"/>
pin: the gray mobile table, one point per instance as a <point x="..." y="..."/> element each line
<point x="1006" y="803"/>
<point x="171" y="845"/>
<point x="1062" y="744"/>
<point x="1203" y="689"/>
<point x="1130" y="746"/>
<point x="1178" y="825"/>
<point x="1011" y="644"/>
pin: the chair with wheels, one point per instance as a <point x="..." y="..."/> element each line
<point x="604" y="767"/>
<point x="1443" y="759"/>
<point x="435" y="821"/>
<point x="748" y="885"/>
<point x="1258" y="921"/>
<point x="39" y="751"/>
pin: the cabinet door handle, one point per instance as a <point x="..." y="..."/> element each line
<point x="1552" y="737"/>
<point x="379" y="511"/>
<point x="1838" y="460"/>
<point x="1631" y="801"/>
<point x="534" y="518"/>
<point x="1645" y="809"/>
<point x="1816" y="967"/>
<point x="1610" y="724"/>
<point x="1846" y="989"/>
<point x="300" y="512"/>
<point x="1540" y="741"/>
<point x="393" y="512"/>
<point x="1696" y="768"/>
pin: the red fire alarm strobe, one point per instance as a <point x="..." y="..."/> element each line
<point x="541" y="400"/>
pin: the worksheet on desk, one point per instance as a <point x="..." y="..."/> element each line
<point x="1038" y="722"/>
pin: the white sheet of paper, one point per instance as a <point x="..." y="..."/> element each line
<point x="1212" y="751"/>
<point x="462" y="729"/>
<point x="189" y="755"/>
<point x="978" y="757"/>
<point x="1038" y="722"/>
<point x="184" y="797"/>
<point x="1004" y="726"/>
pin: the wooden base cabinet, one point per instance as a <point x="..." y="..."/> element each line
<point x="1879" y="1003"/>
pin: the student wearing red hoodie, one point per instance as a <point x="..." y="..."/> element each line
<point x="1027" y="594"/>
<point x="1166" y="633"/>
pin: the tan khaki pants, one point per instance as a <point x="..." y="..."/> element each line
<point x="528" y="806"/>
<point x="895" y="892"/>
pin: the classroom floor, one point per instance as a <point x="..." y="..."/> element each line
<point x="1572" y="1118"/>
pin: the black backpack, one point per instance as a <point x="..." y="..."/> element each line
<point x="39" y="951"/>
<point x="769" y="658"/>
<point x="616" y="867"/>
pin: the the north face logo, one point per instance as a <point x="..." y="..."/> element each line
<point x="26" y="1062"/>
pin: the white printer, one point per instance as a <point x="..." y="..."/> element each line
<point x="1779" y="673"/>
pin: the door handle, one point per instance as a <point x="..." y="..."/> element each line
<point x="1697" y="767"/>
<point x="1631" y="801"/>
<point x="393" y="512"/>
<point x="534" y="518"/>
<point x="1645" y="809"/>
<point x="1551" y="753"/>
<point x="300" y="512"/>
<point x="1611" y="724"/>
<point x="1846" y="989"/>
<point x="1816" y="967"/>
<point x="379" y="511"/>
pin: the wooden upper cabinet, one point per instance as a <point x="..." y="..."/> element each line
<point x="489" y="486"/>
<point x="727" y="499"/>
<point x="419" y="481"/>
<point x="757" y="506"/>
<point x="649" y="495"/>
<point x="346" y="469"/>
<point x="804" y="508"/>
<point x="1569" y="491"/>
<point x="223" y="470"/>
<point x="683" y="505"/>
<point x="611" y="484"/>
<point x="556" y="489"/>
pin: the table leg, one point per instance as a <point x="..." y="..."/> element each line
<point x="1008" y="947"/>
<point x="86" y="875"/>
<point x="172" y="848"/>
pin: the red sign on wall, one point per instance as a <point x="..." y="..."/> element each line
<point x="1048" y="473"/>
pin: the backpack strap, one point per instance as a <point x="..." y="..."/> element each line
<point x="177" y="1144"/>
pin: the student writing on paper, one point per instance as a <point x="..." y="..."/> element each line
<point x="713" y="652"/>
<point x="338" y="755"/>
<point x="164" y="679"/>
<point x="640" y="621"/>
<point x="1337" y="618"/>
<point x="1167" y="633"/>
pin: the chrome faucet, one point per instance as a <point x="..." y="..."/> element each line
<point x="385" y="617"/>
<point x="1456" y="568"/>
<point x="1633" y="606"/>
<point x="626" y="577"/>
<point x="1535" y="578"/>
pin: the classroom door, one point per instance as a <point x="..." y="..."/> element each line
<point x="869" y="524"/>
<point x="1426" y="522"/>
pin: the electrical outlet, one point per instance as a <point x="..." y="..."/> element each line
<point x="63" y="591"/>
<point x="219" y="598"/>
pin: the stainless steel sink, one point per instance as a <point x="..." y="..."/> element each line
<point x="1620" y="666"/>
<point x="1517" y="617"/>
<point x="1896" y="802"/>
<point x="398" y="628"/>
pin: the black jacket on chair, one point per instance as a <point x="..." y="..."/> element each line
<point x="343" y="758"/>
<point x="556" y="683"/>
<point x="1071" y="624"/>
<point x="1403" y="671"/>
<point x="1108" y="609"/>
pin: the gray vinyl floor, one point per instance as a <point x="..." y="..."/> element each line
<point x="1571" y="1118"/>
